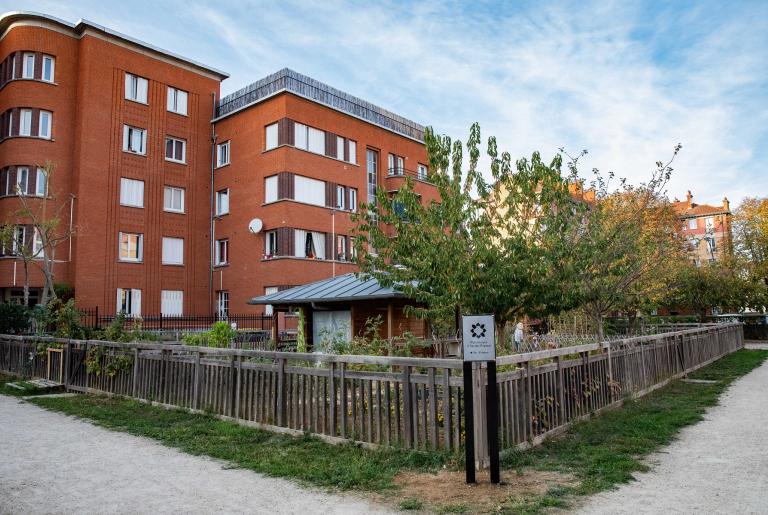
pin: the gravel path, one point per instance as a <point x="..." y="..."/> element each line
<point x="52" y="463"/>
<point x="719" y="465"/>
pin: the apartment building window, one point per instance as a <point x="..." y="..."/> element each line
<point x="340" y="194"/>
<point x="309" y="138"/>
<point x="175" y="150"/>
<point x="25" y="128"/>
<point x="37" y="243"/>
<point x="131" y="247"/>
<point x="222" y="154"/>
<point x="352" y="249"/>
<point x="352" y="152"/>
<point x="271" y="137"/>
<point x="134" y="140"/>
<point x="131" y="192"/>
<point x="692" y="223"/>
<point x="136" y="88"/>
<point x="19" y="237"/>
<point x="221" y="252"/>
<point x="177" y="101"/>
<point x="222" y="303"/>
<point x="22" y="180"/>
<point x="341" y="247"/>
<point x="309" y="244"/>
<point x="129" y="301"/>
<point x="340" y="148"/>
<point x="269" y="290"/>
<point x="41" y="184"/>
<point x="270" y="189"/>
<point x="310" y="191"/>
<point x="49" y="64"/>
<point x="173" y="199"/>
<point x="421" y="172"/>
<point x="173" y="251"/>
<point x="44" y="129"/>
<point x="171" y="303"/>
<point x="396" y="165"/>
<point x="352" y="199"/>
<point x="28" y="66"/>
<point x="270" y="240"/>
<point x="222" y="202"/>
<point x="372" y="166"/>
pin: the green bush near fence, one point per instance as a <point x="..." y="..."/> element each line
<point x="220" y="336"/>
<point x="14" y="318"/>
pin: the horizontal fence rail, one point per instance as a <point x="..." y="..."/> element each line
<point x="377" y="400"/>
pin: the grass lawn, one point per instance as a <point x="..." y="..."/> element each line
<point x="600" y="453"/>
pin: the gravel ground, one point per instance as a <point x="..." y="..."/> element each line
<point x="53" y="463"/>
<point x="719" y="465"/>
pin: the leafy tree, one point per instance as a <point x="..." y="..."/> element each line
<point x="9" y="238"/>
<point x="14" y="318"/>
<point x="750" y="236"/>
<point x="629" y="245"/>
<point x="504" y="247"/>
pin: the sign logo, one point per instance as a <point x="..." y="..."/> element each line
<point x="478" y="330"/>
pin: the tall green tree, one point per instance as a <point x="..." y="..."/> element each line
<point x="750" y="236"/>
<point x="503" y="247"/>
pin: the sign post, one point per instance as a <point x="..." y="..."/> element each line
<point x="479" y="344"/>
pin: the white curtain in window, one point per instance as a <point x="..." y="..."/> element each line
<point x="173" y="251"/>
<point x="271" y="136"/>
<point x="299" y="243"/>
<point x="352" y="152"/>
<point x="300" y="136"/>
<point x="142" y="90"/>
<point x="41" y="184"/>
<point x="131" y="192"/>
<point x="318" y="240"/>
<point x="316" y="141"/>
<point x="136" y="302"/>
<point x="339" y="148"/>
<point x="309" y="190"/>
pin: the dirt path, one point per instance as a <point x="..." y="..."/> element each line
<point x="52" y="463"/>
<point x="719" y="465"/>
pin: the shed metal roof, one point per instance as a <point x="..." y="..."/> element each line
<point x="347" y="287"/>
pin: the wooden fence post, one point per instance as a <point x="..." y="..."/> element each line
<point x="135" y="379"/>
<point x="446" y="408"/>
<point x="560" y="389"/>
<point x="332" y="399"/>
<point x="407" y="407"/>
<point x="196" y="385"/>
<point x="281" y="421"/>
<point x="65" y="364"/>
<point x="237" y="387"/>
<point x="343" y="397"/>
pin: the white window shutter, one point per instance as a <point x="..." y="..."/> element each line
<point x="143" y="84"/>
<point x="300" y="133"/>
<point x="270" y="189"/>
<point x="128" y="88"/>
<point x="271" y="137"/>
<point x="352" y="152"/>
<point x="119" y="304"/>
<point x="126" y="136"/>
<point x="181" y="102"/>
<point x="339" y="148"/>
<point x="170" y="99"/>
<point x="300" y="240"/>
<point x="136" y="302"/>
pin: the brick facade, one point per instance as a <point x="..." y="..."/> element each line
<point x="89" y="111"/>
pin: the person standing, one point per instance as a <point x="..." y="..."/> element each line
<point x="518" y="336"/>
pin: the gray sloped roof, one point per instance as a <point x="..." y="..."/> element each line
<point x="344" y="288"/>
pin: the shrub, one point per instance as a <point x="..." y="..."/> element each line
<point x="14" y="318"/>
<point x="221" y="336"/>
<point x="67" y="320"/>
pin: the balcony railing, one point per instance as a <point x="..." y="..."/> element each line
<point x="403" y="172"/>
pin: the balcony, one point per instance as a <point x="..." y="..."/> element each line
<point x="397" y="172"/>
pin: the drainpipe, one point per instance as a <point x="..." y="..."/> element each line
<point x="210" y="228"/>
<point x="72" y="198"/>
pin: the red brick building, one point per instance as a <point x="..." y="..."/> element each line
<point x="707" y="228"/>
<point x="167" y="220"/>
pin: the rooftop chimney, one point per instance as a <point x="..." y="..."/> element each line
<point x="726" y="204"/>
<point x="689" y="196"/>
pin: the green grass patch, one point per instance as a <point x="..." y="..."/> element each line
<point x="305" y="458"/>
<point x="607" y="450"/>
<point x="29" y="389"/>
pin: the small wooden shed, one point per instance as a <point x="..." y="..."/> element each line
<point x="345" y="304"/>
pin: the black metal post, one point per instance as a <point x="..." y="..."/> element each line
<point x="492" y="414"/>
<point x="469" y="424"/>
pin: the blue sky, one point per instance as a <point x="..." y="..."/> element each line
<point x="625" y="80"/>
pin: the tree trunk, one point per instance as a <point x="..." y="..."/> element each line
<point x="600" y="330"/>
<point x="26" y="283"/>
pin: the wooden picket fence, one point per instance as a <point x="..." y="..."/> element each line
<point x="373" y="400"/>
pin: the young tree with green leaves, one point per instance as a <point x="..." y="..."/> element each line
<point x="503" y="247"/>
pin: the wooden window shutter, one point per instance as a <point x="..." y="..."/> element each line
<point x="38" y="71"/>
<point x="35" y="128"/>
<point x="285" y="132"/>
<point x="11" y="180"/>
<point x="285" y="237"/>
<point x="330" y="144"/>
<point x="19" y="58"/>
<point x="4" y="181"/>
<point x="285" y="185"/>
<point x="330" y="247"/>
<point x="330" y="194"/>
<point x="346" y="150"/>
<point x="15" y="121"/>
<point x="31" y="180"/>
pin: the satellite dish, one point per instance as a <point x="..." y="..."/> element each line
<point x="255" y="225"/>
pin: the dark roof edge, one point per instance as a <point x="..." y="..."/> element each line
<point x="8" y="18"/>
<point x="322" y="300"/>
